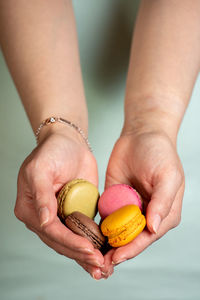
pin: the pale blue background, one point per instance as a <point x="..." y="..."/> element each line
<point x="169" y="269"/>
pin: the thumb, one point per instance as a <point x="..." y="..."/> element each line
<point x="114" y="175"/>
<point x="44" y="200"/>
<point x="163" y="195"/>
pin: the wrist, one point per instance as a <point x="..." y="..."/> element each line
<point x="150" y="114"/>
<point x="63" y="129"/>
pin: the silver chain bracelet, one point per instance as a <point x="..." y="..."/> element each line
<point x="53" y="120"/>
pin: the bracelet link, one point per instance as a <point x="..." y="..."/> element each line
<point x="52" y="120"/>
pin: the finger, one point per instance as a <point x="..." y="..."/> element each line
<point x="163" y="195"/>
<point x="55" y="231"/>
<point x="108" y="268"/>
<point x="134" y="248"/>
<point x="93" y="271"/>
<point x="86" y="258"/>
<point x="59" y="233"/>
<point x="146" y="238"/>
<point x="110" y="179"/>
<point x="43" y="197"/>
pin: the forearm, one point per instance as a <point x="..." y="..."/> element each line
<point x="39" y="42"/>
<point x="164" y="63"/>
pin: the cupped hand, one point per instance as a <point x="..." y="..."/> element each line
<point x="149" y="162"/>
<point x="59" y="158"/>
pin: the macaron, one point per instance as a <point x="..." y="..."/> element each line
<point x="117" y="196"/>
<point x="86" y="227"/>
<point x="78" y="195"/>
<point x="123" y="225"/>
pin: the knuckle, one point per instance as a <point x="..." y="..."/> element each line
<point x="59" y="252"/>
<point x="31" y="167"/>
<point x="177" y="221"/>
<point x="18" y="213"/>
<point x="29" y="227"/>
<point x="158" y="237"/>
<point x="163" y="209"/>
<point x="177" y="174"/>
<point x="36" y="176"/>
<point x="180" y="177"/>
<point x="46" y="231"/>
<point x="34" y="167"/>
<point x="38" y="196"/>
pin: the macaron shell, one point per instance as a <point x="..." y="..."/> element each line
<point x="78" y="195"/>
<point x="123" y="225"/>
<point x="129" y="234"/>
<point x="117" y="196"/>
<point x="85" y="227"/>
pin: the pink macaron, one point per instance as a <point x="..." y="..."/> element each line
<point x="117" y="196"/>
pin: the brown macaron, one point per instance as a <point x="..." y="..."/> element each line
<point x="86" y="227"/>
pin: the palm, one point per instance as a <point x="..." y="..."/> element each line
<point x="141" y="161"/>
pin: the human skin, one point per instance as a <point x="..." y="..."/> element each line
<point x="163" y="68"/>
<point x="39" y="42"/>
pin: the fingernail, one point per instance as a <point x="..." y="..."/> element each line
<point x="156" y="223"/>
<point x="96" y="275"/>
<point x="43" y="215"/>
<point x="105" y="275"/>
<point x="119" y="261"/>
<point x="99" y="265"/>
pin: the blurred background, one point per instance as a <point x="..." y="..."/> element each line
<point x="170" y="268"/>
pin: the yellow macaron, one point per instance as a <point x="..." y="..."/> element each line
<point x="78" y="195"/>
<point x="123" y="225"/>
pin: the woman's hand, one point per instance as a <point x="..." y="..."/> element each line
<point x="59" y="158"/>
<point x="148" y="162"/>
